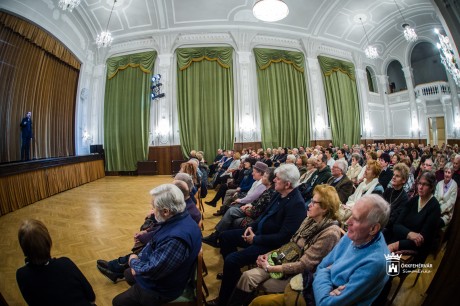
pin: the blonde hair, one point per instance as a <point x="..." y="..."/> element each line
<point x="329" y="200"/>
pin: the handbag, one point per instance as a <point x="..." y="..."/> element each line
<point x="289" y="252"/>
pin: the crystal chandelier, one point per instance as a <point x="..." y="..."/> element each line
<point x="105" y="38"/>
<point x="409" y="33"/>
<point x="448" y="56"/>
<point x="68" y="4"/>
<point x="270" y="10"/>
<point x="370" y="51"/>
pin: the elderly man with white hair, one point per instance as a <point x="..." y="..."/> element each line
<point x="160" y="272"/>
<point x="340" y="181"/>
<point x="354" y="272"/>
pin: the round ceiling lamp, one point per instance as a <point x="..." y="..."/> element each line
<point x="270" y="10"/>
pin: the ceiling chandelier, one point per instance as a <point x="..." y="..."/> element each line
<point x="370" y="51"/>
<point x="448" y="56"/>
<point x="270" y="10"/>
<point x="68" y="4"/>
<point x="409" y="33"/>
<point x="105" y="38"/>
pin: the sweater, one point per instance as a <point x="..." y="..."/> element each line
<point x="446" y="199"/>
<point x="60" y="282"/>
<point x="361" y="270"/>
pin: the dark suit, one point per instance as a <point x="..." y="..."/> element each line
<point x="272" y="229"/>
<point x="26" y="135"/>
<point x="344" y="187"/>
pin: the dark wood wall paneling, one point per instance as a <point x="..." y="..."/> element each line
<point x="164" y="156"/>
<point x="238" y="146"/>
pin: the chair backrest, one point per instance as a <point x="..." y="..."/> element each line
<point x="197" y="280"/>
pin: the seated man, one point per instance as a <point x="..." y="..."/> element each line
<point x="162" y="269"/>
<point x="340" y="181"/>
<point x="115" y="268"/>
<point x="271" y="230"/>
<point x="320" y="176"/>
<point x="354" y="272"/>
<point x="240" y="217"/>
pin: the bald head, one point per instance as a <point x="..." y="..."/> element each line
<point x="183" y="187"/>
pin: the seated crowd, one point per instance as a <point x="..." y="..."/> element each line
<point x="314" y="223"/>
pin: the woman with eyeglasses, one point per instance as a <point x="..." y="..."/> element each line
<point x="316" y="237"/>
<point x="418" y="222"/>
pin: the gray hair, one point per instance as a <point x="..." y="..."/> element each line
<point x="343" y="166"/>
<point x="448" y="167"/>
<point x="288" y="173"/>
<point x="185" y="177"/>
<point x="291" y="157"/>
<point x="356" y="156"/>
<point x="168" y="196"/>
<point x="379" y="211"/>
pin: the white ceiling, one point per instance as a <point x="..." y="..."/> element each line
<point x="331" y="21"/>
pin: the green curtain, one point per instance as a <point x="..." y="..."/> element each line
<point x="205" y="99"/>
<point x="342" y="100"/>
<point x="283" y="100"/>
<point x="127" y="110"/>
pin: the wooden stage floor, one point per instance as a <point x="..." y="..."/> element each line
<point x="98" y="220"/>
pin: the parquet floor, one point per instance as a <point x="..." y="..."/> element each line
<point x="98" y="220"/>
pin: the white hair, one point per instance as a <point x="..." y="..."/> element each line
<point x="343" y="165"/>
<point x="168" y="196"/>
<point x="288" y="173"/>
<point x="379" y="211"/>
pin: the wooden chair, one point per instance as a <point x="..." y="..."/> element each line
<point x="193" y="294"/>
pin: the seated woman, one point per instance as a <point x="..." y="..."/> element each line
<point x="315" y="238"/>
<point x="369" y="185"/>
<point x="418" y="223"/>
<point x="446" y="193"/>
<point x="222" y="178"/>
<point x="240" y="217"/>
<point x="355" y="169"/>
<point x="311" y="168"/>
<point x="395" y="195"/>
<point x="45" y="280"/>
<point x="301" y="163"/>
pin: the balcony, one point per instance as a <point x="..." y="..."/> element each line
<point x="432" y="91"/>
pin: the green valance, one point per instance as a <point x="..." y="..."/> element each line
<point x="265" y="57"/>
<point x="222" y="55"/>
<point x="330" y="65"/>
<point x="144" y="61"/>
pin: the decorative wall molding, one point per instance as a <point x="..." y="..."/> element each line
<point x="186" y="38"/>
<point x="335" y="52"/>
<point x="132" y="46"/>
<point x="277" y="41"/>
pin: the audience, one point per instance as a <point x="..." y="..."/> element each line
<point x="355" y="169"/>
<point x="271" y="230"/>
<point x="44" y="280"/>
<point x="315" y="238"/>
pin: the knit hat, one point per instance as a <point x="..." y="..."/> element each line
<point x="262" y="167"/>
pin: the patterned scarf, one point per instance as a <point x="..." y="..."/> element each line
<point x="309" y="230"/>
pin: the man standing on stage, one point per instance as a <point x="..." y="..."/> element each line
<point x="27" y="135"/>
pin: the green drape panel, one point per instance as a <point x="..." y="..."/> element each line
<point x="127" y="114"/>
<point x="283" y="100"/>
<point x="342" y="100"/>
<point x="205" y="100"/>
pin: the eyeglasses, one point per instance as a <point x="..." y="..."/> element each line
<point x="424" y="184"/>
<point x="314" y="202"/>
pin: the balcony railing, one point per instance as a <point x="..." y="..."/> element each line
<point x="432" y="91"/>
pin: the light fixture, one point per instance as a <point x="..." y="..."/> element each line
<point x="270" y="10"/>
<point x="156" y="87"/>
<point x="105" y="38"/>
<point x="448" y="56"/>
<point x="68" y="4"/>
<point x="409" y="33"/>
<point x="370" y="51"/>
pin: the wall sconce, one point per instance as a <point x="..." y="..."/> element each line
<point x="247" y="128"/>
<point x="87" y="138"/>
<point x="367" y="128"/>
<point x="162" y="131"/>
